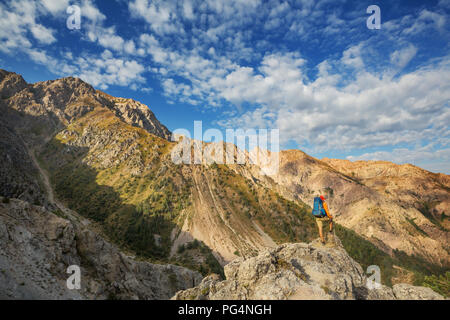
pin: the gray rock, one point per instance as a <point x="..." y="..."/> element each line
<point x="404" y="291"/>
<point x="382" y="293"/>
<point x="290" y="271"/>
<point x="36" y="247"/>
<point x="299" y="271"/>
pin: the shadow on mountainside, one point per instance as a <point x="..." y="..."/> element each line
<point x="145" y="228"/>
<point x="76" y="184"/>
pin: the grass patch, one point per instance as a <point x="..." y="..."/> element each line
<point x="411" y="221"/>
<point x="439" y="284"/>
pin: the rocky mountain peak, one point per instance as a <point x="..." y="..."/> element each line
<point x="75" y="86"/>
<point x="139" y="115"/>
<point x="10" y="83"/>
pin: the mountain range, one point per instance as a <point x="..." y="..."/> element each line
<point x="104" y="164"/>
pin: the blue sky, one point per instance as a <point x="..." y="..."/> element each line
<point x="312" y="69"/>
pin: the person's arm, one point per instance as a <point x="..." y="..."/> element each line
<point x="325" y="206"/>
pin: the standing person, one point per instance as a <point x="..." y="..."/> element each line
<point x="322" y="214"/>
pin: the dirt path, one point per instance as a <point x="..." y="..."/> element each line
<point x="45" y="179"/>
<point x="50" y="192"/>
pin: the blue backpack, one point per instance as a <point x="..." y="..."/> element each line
<point x="318" y="210"/>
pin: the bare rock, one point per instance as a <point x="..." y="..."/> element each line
<point x="36" y="247"/>
<point x="299" y="271"/>
<point x="290" y="271"/>
<point x="139" y="115"/>
<point x="405" y="291"/>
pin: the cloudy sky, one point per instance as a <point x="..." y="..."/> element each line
<point x="312" y="69"/>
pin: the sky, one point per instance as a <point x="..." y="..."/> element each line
<point x="312" y="69"/>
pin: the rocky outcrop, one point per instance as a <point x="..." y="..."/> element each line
<point x="36" y="247"/>
<point x="18" y="176"/>
<point x="299" y="271"/>
<point x="139" y="115"/>
<point x="10" y="83"/>
<point x="404" y="291"/>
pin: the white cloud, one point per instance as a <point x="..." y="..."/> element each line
<point x="129" y="47"/>
<point x="17" y="20"/>
<point x="42" y="34"/>
<point x="110" y="71"/>
<point x="402" y="57"/>
<point x="426" y="20"/>
<point x="55" y="7"/>
<point x="100" y="72"/>
<point x="91" y="12"/>
<point x="38" y="56"/>
<point x="188" y="10"/>
<point x="367" y="112"/>
<point x="158" y="14"/>
<point x="352" y="57"/>
<point x="19" y="25"/>
<point x="108" y="39"/>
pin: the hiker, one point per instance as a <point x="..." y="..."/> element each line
<point x="322" y="214"/>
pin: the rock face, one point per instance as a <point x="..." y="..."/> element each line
<point x="403" y="291"/>
<point x="299" y="271"/>
<point x="18" y="177"/>
<point x="36" y="247"/>
<point x="10" y="83"/>
<point x="139" y="115"/>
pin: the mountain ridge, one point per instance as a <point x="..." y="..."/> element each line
<point x="114" y="168"/>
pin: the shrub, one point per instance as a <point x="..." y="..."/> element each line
<point x="180" y="249"/>
<point x="440" y="284"/>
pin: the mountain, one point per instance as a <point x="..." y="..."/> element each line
<point x="408" y="185"/>
<point x="84" y="155"/>
<point x="402" y="209"/>
<point x="294" y="271"/>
